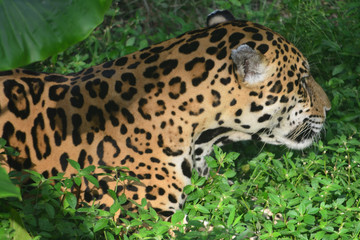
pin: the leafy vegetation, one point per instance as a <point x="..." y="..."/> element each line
<point x="35" y="30"/>
<point x="269" y="192"/>
<point x="7" y="189"/>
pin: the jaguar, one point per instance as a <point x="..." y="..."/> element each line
<point x="159" y="111"/>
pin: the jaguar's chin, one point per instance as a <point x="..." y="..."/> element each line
<point x="298" y="145"/>
<point x="301" y="137"/>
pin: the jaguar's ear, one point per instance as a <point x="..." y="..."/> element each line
<point x="219" y="16"/>
<point x="251" y="65"/>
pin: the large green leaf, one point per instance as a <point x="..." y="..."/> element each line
<point x="17" y="224"/>
<point x="7" y="188"/>
<point x="32" y="30"/>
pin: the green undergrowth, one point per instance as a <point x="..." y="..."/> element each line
<point x="311" y="194"/>
<point x="290" y="197"/>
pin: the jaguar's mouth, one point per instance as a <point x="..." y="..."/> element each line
<point x="302" y="136"/>
<point x="302" y="133"/>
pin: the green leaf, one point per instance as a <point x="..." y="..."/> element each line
<point x="196" y="223"/>
<point x="350" y="202"/>
<point x="324" y="213"/>
<point x="201" y="181"/>
<point x="88" y="170"/>
<point x="212" y="163"/>
<point x="112" y="194"/>
<point x="275" y="198"/>
<point x="232" y="156"/>
<point x="302" y="208"/>
<point x="45" y="224"/>
<point x="320" y="235"/>
<point x="313" y="211"/>
<point x="122" y="198"/>
<point x="71" y="200"/>
<point x="188" y="189"/>
<point x="198" y="193"/>
<point x="229" y="173"/>
<point x="115" y="207"/>
<point x="93" y="180"/>
<point x="177" y="217"/>
<point x="34" y="174"/>
<point x="237" y="220"/>
<point x="7" y="188"/>
<point x="309" y="219"/>
<point x="202" y="209"/>
<point x="265" y="236"/>
<point x="77" y="180"/>
<point x="68" y="183"/>
<point x="130" y="41"/>
<point x="50" y="210"/>
<point x="231" y="216"/>
<point x="34" y="30"/>
<point x="268" y="227"/>
<point x="161" y="229"/>
<point x="143" y="202"/>
<point x="109" y="236"/>
<point x="250" y="215"/>
<point x="332" y="187"/>
<point x="291" y="227"/>
<point x="292" y="214"/>
<point x="17" y="224"/>
<point x="102" y="223"/>
<point x="218" y="152"/>
<point x="335" y="82"/>
<point x="74" y="164"/>
<point x="2" y="142"/>
<point x="329" y="229"/>
<point x="153" y="213"/>
<point x="11" y="151"/>
<point x="338" y="69"/>
<point x="357" y="228"/>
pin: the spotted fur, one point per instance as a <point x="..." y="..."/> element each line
<point x="158" y="111"/>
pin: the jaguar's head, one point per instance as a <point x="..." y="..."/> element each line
<point x="285" y="104"/>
